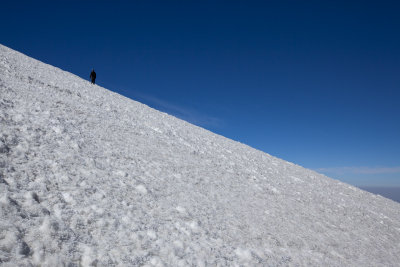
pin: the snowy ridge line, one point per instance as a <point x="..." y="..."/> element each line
<point x="91" y="178"/>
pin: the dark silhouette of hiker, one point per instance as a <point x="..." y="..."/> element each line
<point x="93" y="76"/>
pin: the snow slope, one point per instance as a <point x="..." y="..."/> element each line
<point x="89" y="177"/>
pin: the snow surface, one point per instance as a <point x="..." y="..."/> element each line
<point x="89" y="177"/>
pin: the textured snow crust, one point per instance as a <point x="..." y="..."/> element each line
<point x="91" y="178"/>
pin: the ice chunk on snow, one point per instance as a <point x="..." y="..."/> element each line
<point x="180" y="209"/>
<point x="141" y="189"/>
<point x="151" y="234"/>
<point x="243" y="254"/>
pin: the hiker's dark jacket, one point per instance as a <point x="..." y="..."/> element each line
<point x="93" y="75"/>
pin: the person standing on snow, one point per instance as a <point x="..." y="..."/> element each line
<point x="93" y="76"/>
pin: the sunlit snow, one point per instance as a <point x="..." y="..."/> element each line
<point x="89" y="177"/>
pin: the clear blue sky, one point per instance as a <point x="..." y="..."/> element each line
<point x="316" y="83"/>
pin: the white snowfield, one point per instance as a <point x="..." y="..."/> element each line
<point x="91" y="178"/>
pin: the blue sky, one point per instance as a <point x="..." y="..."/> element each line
<point x="316" y="83"/>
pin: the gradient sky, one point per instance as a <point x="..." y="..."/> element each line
<point x="316" y="83"/>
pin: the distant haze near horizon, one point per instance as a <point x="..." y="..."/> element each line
<point x="316" y="83"/>
<point x="392" y="193"/>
